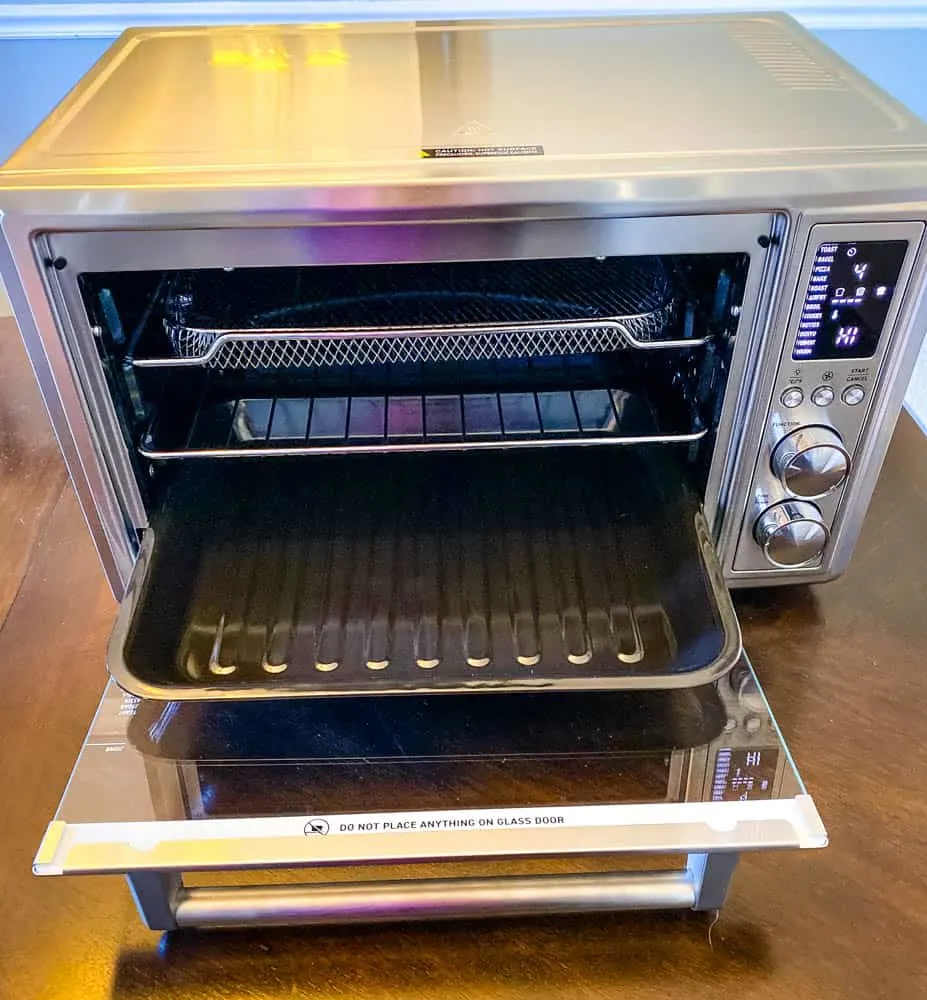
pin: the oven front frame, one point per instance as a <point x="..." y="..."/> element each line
<point x="83" y="412"/>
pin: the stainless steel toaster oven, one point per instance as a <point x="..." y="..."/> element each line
<point x="439" y="358"/>
<point x="414" y="360"/>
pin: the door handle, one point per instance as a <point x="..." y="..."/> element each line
<point x="165" y="903"/>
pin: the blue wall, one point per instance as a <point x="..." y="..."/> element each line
<point x="36" y="73"/>
<point x="896" y="59"/>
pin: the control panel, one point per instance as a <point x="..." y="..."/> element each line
<point x="852" y="282"/>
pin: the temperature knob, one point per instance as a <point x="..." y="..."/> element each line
<point x="791" y="533"/>
<point x="811" y="462"/>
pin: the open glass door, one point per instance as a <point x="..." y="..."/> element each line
<point x="537" y="803"/>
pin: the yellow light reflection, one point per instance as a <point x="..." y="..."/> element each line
<point x="327" y="57"/>
<point x="264" y="62"/>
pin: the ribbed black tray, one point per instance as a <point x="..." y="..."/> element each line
<point x="387" y="574"/>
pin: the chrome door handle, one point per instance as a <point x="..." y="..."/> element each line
<point x="165" y="903"/>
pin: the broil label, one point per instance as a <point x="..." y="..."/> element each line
<point x="463" y="152"/>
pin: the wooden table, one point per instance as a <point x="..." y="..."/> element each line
<point x="843" y="665"/>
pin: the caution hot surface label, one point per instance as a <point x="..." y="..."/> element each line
<point x="464" y="152"/>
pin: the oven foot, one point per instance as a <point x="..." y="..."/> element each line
<point x="711" y="874"/>
<point x="155" y="895"/>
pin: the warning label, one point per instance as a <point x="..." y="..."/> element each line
<point x="431" y="822"/>
<point x="451" y="152"/>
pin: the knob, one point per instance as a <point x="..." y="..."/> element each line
<point x="811" y="462"/>
<point x="791" y="533"/>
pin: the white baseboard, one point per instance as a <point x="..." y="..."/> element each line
<point x="916" y="396"/>
<point x="108" y="19"/>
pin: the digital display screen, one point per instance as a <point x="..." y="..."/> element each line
<point x="744" y="773"/>
<point x="848" y="298"/>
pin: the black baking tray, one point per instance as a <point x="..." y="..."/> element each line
<point x="560" y="568"/>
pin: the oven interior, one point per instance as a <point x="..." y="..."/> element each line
<point x="387" y="478"/>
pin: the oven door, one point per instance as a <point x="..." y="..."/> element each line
<point x="225" y="813"/>
<point x="491" y="573"/>
<point x="428" y="678"/>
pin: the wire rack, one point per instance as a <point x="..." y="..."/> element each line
<point x="287" y="425"/>
<point x="419" y="313"/>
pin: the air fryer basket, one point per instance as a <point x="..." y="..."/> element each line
<point x="408" y="313"/>
<point x="411" y="574"/>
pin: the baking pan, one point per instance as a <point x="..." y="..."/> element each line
<point x="569" y="568"/>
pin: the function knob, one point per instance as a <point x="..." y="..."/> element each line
<point x="791" y="533"/>
<point x="811" y="462"/>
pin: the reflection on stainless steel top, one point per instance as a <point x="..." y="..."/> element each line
<point x="374" y="97"/>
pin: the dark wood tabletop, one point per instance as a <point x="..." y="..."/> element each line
<point x="843" y="665"/>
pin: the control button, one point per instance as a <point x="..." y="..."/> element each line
<point x="730" y="725"/>
<point x="822" y="396"/>
<point x="792" y="397"/>
<point x="791" y="533"/>
<point x="811" y="462"/>
<point x="753" y="724"/>
<point x="853" y="395"/>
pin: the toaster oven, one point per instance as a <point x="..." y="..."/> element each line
<point x="443" y="376"/>
<point x="416" y="360"/>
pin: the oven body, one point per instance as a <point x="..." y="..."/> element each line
<point x="802" y="404"/>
